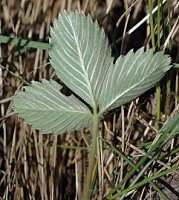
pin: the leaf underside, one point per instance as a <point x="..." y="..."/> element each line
<point x="81" y="57"/>
<point x="80" y="54"/>
<point x="44" y="107"/>
<point x="131" y="76"/>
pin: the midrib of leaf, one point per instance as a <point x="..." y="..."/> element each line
<point x="74" y="76"/>
<point x="117" y="97"/>
<point x="97" y="85"/>
<point x="83" y="65"/>
<point x="55" y="110"/>
<point x="85" y="59"/>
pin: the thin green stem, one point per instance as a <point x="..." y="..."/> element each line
<point x="92" y="160"/>
<point x="158" y="88"/>
<point x="158" y="23"/>
<point x="151" y="23"/>
<point x="168" y="82"/>
<point x="152" y="29"/>
<point x="158" y="93"/>
<point x="169" y="16"/>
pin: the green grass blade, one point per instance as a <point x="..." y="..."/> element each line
<point x="25" y="43"/>
<point x="172" y="128"/>
<point x="143" y="182"/>
<point x="160" y="192"/>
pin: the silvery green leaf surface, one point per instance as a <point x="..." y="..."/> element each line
<point x="44" y="107"/>
<point x="81" y="57"/>
<point x="131" y="76"/>
<point x="80" y="54"/>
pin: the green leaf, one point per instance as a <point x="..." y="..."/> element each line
<point x="44" y="107"/>
<point x="81" y="57"/>
<point x="131" y="76"/>
<point x="80" y="54"/>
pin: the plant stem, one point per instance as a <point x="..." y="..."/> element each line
<point x="158" y="93"/>
<point x="168" y="82"/>
<point x="158" y="88"/>
<point x="92" y="161"/>
<point x="159" y="23"/>
<point x="152" y="29"/>
<point x="151" y="23"/>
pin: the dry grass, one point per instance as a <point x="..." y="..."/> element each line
<point x="36" y="166"/>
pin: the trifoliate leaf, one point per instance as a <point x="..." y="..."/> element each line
<point x="81" y="57"/>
